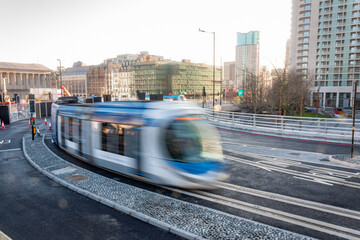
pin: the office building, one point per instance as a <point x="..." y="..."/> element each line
<point x="74" y="79"/>
<point x="247" y="57"/>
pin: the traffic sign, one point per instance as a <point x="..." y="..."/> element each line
<point x="241" y="93"/>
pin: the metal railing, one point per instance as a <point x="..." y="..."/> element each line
<point x="331" y="129"/>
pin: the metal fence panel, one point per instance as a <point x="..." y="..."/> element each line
<point x="326" y="128"/>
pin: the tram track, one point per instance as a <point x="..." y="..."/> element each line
<point x="301" y="221"/>
<point x="291" y="200"/>
<point x="298" y="220"/>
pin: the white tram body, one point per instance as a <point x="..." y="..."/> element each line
<point x="165" y="143"/>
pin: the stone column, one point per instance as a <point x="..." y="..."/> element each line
<point x="1" y="82"/>
<point x="7" y="81"/>
<point x="33" y="80"/>
<point x="27" y="84"/>
<point x="21" y="85"/>
<point x="36" y="80"/>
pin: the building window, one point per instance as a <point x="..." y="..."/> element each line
<point x="344" y="100"/>
<point x="331" y="99"/>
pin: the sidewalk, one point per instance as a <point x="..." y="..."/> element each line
<point x="346" y="160"/>
<point x="184" y="219"/>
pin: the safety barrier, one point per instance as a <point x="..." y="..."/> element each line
<point x="19" y="111"/>
<point x="329" y="129"/>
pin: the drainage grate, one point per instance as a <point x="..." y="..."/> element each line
<point x="13" y="159"/>
<point x="297" y="154"/>
<point x="76" y="178"/>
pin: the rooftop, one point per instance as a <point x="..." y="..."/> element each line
<point x="23" y="66"/>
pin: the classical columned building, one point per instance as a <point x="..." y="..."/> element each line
<point x="18" y="78"/>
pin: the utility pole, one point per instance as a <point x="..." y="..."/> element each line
<point x="353" y="115"/>
<point x="200" y="30"/>
<point x="60" y="79"/>
<point x="213" y="69"/>
<point x="317" y="102"/>
<point x="4" y="90"/>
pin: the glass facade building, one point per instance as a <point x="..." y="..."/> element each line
<point x="167" y="77"/>
<point x="247" y="56"/>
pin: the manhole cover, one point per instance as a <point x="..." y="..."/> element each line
<point x="294" y="154"/>
<point x="76" y="178"/>
<point x="14" y="158"/>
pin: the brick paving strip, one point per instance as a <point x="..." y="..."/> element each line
<point x="184" y="219"/>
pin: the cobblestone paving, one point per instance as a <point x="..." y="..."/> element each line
<point x="185" y="219"/>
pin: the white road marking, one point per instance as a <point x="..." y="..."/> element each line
<point x="3" y="236"/>
<point x="321" y="178"/>
<point x="5" y="141"/>
<point x="9" y="150"/>
<point x="316" y="180"/>
<point x="63" y="170"/>
<point x="292" y="200"/>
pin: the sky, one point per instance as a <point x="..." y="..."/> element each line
<point x="42" y="31"/>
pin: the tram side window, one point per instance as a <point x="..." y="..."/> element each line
<point x="76" y="130"/>
<point x="112" y="138"/>
<point x="132" y="139"/>
<point x="62" y="129"/>
<point x="70" y="129"/>
<point x="62" y="124"/>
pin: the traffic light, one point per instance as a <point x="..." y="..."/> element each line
<point x="32" y="121"/>
<point x="32" y="105"/>
<point x="204" y="93"/>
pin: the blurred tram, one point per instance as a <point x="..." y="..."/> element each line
<point x="165" y="143"/>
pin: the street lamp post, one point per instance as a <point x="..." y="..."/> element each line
<point x="4" y="90"/>
<point x="200" y="30"/>
<point x="60" y="78"/>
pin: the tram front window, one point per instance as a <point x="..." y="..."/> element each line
<point x="192" y="141"/>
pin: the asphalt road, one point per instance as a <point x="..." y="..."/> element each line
<point x="34" y="207"/>
<point x="58" y="210"/>
<point x="285" y="143"/>
<point x="290" y="179"/>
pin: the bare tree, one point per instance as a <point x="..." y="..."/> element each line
<point x="290" y="90"/>
<point x="254" y="98"/>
